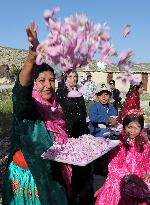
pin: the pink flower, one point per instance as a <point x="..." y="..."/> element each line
<point x="104" y="36"/>
<point x="106" y="59"/>
<point x="125" y="54"/>
<point x="50" y="13"/>
<point x="79" y="41"/>
<point x="74" y="42"/>
<point x="133" y="79"/>
<point x="54" y="25"/>
<point x="126" y="30"/>
<point x="125" y="62"/>
<point x="53" y="50"/>
<point x="107" y="49"/>
<point x="74" y="93"/>
<point x="39" y="60"/>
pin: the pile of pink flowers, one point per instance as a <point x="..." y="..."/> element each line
<point x="80" y="151"/>
<point x="73" y="42"/>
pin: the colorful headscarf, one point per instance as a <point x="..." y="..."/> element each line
<point x="52" y="115"/>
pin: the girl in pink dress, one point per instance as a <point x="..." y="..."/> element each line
<point x="128" y="181"/>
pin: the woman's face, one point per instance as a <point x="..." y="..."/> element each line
<point x="46" y="84"/>
<point x="72" y="79"/>
<point x="141" y="90"/>
<point x="133" y="129"/>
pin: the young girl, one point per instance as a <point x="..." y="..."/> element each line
<point x="129" y="166"/>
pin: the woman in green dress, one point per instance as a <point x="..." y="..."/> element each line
<point x="29" y="179"/>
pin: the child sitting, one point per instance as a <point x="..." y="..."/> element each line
<point x="102" y="113"/>
<point x="129" y="167"/>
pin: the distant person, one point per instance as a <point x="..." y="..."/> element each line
<point x="139" y="86"/>
<point x="132" y="99"/>
<point x="128" y="180"/>
<point x="82" y="81"/>
<point x="88" y="89"/>
<point x="101" y="119"/>
<point x="115" y="98"/>
<point x="74" y="107"/>
<point x="102" y="113"/>
<point x="75" y="114"/>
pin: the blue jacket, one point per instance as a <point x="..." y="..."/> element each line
<point x="99" y="114"/>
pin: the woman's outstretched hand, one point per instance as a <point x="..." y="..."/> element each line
<point x="26" y="74"/>
<point x="32" y="35"/>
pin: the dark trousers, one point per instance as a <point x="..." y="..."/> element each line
<point x="100" y="166"/>
<point x="82" y="185"/>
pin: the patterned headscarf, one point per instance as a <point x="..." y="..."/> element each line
<point x="52" y="114"/>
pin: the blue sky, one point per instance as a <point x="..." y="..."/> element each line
<point x="15" y="15"/>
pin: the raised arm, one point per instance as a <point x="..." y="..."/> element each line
<point x="26" y="74"/>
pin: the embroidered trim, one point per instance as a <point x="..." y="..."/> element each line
<point x="23" y="191"/>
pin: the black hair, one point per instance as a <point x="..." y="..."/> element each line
<point x="139" y="141"/>
<point x="65" y="75"/>
<point x="103" y="91"/>
<point x="89" y="76"/>
<point x="135" y="87"/>
<point x="112" y="81"/>
<point x="41" y="68"/>
<point x="139" y="85"/>
<point x="132" y="118"/>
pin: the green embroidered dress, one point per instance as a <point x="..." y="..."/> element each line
<point x="32" y="138"/>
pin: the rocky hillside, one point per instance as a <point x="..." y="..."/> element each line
<point x="12" y="56"/>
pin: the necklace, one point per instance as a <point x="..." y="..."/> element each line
<point x="129" y="139"/>
<point x="136" y="160"/>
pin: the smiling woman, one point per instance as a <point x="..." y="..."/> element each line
<point x="44" y="81"/>
<point x="37" y="122"/>
<point x="75" y="114"/>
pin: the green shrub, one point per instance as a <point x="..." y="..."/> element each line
<point x="5" y="113"/>
<point x="14" y="70"/>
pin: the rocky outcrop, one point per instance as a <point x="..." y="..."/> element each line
<point x="5" y="77"/>
<point x="12" y="56"/>
<point x="4" y="71"/>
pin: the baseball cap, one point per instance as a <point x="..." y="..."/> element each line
<point x="102" y="87"/>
